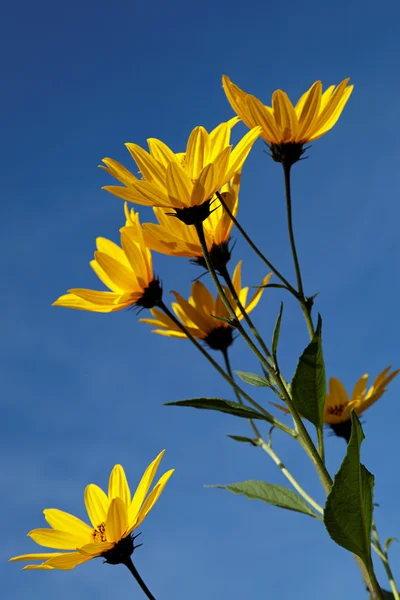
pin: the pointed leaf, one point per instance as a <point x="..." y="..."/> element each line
<point x="243" y="439"/>
<point x="309" y="383"/>
<point x="225" y="406"/>
<point x="269" y="493"/>
<point x="349" y="506"/>
<point x="275" y="335"/>
<point x="253" y="379"/>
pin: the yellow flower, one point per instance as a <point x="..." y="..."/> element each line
<point x="338" y="406"/>
<point x="174" y="238"/>
<point x="182" y="181"/>
<point x="114" y="517"/>
<point x="126" y="271"/>
<point x="314" y="114"/>
<point x="197" y="314"/>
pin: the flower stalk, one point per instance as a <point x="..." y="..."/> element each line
<point x="131" y="567"/>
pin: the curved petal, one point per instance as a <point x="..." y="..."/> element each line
<point x="97" y="504"/>
<point x="35" y="556"/>
<point x="196" y="152"/>
<point x="78" y="303"/>
<point x="66" y="562"/>
<point x="151" y="499"/>
<point x="117" y="520"/>
<point x="179" y="186"/>
<point x="95" y="548"/>
<point x="118" y="171"/>
<point x="63" y="521"/>
<point x="257" y="296"/>
<point x="151" y="169"/>
<point x="118" y="485"/>
<point x="62" y="540"/>
<point x="143" y="487"/>
<point x="123" y="277"/>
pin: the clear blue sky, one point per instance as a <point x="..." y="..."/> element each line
<point x="81" y="391"/>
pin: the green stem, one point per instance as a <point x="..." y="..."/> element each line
<point x="305" y="305"/>
<point x="268" y="449"/>
<point x="129" y="564"/>
<point x="216" y="366"/>
<point x="321" y="448"/>
<point x="383" y="555"/>
<point x="255" y="248"/>
<point x="304" y="436"/>
<point x="237" y="394"/>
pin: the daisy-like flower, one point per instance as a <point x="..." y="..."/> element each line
<point x="286" y="127"/>
<point x="126" y="271"/>
<point x="113" y="517"/>
<point x="198" y="313"/>
<point x="174" y="238"/>
<point x="184" y="182"/>
<point x="338" y="406"/>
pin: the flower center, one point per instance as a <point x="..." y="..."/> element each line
<point x="99" y="533"/>
<point x="336" y="410"/>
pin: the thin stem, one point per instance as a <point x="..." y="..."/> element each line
<point x="286" y="172"/>
<point x="255" y="248"/>
<point x="321" y="448"/>
<point x="383" y="555"/>
<point x="140" y="581"/>
<point x="231" y="382"/>
<point x="305" y="305"/>
<point x="268" y="449"/>
<point x="238" y="397"/>
<point x="304" y="436"/>
<point x="225" y="275"/>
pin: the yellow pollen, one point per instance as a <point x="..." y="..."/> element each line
<point x="336" y="410"/>
<point x="99" y="533"/>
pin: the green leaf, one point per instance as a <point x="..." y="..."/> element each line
<point x="243" y="439"/>
<point x="389" y="541"/>
<point x="225" y="406"/>
<point x="269" y="493"/>
<point x="349" y="506"/>
<point x="275" y="335"/>
<point x="223" y="319"/>
<point x="309" y="383"/>
<point x="253" y="379"/>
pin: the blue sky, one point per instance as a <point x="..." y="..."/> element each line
<point x="83" y="391"/>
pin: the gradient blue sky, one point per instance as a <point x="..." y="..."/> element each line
<point x="82" y="391"/>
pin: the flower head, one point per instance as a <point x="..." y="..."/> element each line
<point x="283" y="123"/>
<point x="114" y="516"/>
<point x="126" y="271"/>
<point x="183" y="182"/>
<point x="198" y="313"/>
<point x="174" y="238"/>
<point x="338" y="406"/>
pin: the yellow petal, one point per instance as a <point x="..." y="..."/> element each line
<point x="309" y="113"/>
<point x="95" y="548"/>
<point x="179" y="186"/>
<point x="359" y="389"/>
<point x="118" y="171"/>
<point x="262" y="116"/>
<point x="196" y="152"/>
<point x="62" y="540"/>
<point x="94" y="297"/>
<point x="123" y="277"/>
<point x="143" y="487"/>
<point x="204" y="186"/>
<point x="97" y="504"/>
<point x="151" y="169"/>
<point x="241" y="151"/>
<point x="63" y="521"/>
<point x="257" y="296"/>
<point x="117" y="520"/>
<point x="118" y="485"/>
<point x="35" y="556"/>
<point x="237" y="99"/>
<point x="153" y="497"/>
<point x="78" y="303"/>
<point x="161" y="152"/>
<point x="66" y="562"/>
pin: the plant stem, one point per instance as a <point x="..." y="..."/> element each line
<point x="383" y="555"/>
<point x="305" y="306"/>
<point x="231" y="382"/>
<point x="129" y="564"/>
<point x="321" y="448"/>
<point x="237" y="394"/>
<point x="255" y="248"/>
<point x="268" y="449"/>
<point x="304" y="436"/>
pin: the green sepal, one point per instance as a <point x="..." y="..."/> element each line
<point x="349" y="506"/>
